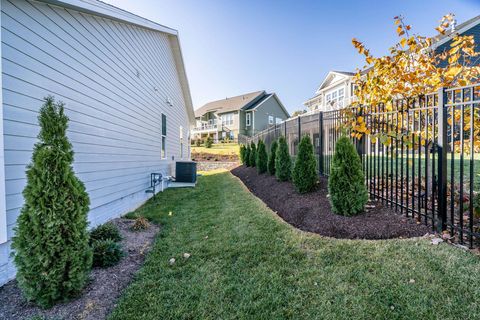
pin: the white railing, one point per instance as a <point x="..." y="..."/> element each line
<point x="205" y="128"/>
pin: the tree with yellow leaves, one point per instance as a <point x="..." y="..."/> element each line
<point x="412" y="70"/>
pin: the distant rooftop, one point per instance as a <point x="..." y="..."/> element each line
<point x="243" y="101"/>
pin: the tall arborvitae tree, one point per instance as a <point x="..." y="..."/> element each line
<point x="52" y="253"/>
<point x="248" y="150"/>
<point x="346" y="184"/>
<point x="283" y="162"/>
<point x="253" y="155"/>
<point x="242" y="153"/>
<point x="271" y="158"/>
<point x="262" y="157"/>
<point x="304" y="175"/>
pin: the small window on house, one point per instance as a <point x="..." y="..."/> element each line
<point x="270" y="119"/>
<point x="181" y="142"/>
<point x="164" y="136"/>
<point x="329" y="97"/>
<point x="248" y="119"/>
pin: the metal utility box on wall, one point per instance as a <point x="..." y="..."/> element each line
<point x="186" y="171"/>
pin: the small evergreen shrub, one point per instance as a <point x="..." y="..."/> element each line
<point x="209" y="142"/>
<point x="304" y="175"/>
<point x="248" y="151"/>
<point x="253" y="155"/>
<point x="105" y="231"/>
<point x="283" y="162"/>
<point x="262" y="157"/>
<point x="51" y="249"/>
<point x="476" y="205"/>
<point x="271" y="158"/>
<point x="132" y="215"/>
<point x="140" y="224"/>
<point x="346" y="184"/>
<point x="242" y="153"/>
<point x="106" y="253"/>
<point x="198" y="142"/>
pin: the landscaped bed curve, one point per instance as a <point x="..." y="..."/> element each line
<point x="100" y="296"/>
<point x="312" y="211"/>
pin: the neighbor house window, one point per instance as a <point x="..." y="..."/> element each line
<point x="227" y="119"/>
<point x="341" y="97"/>
<point x="164" y="136"/>
<point x="270" y="119"/>
<point x="278" y="120"/>
<point x="248" y="119"/>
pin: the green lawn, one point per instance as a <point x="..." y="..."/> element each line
<point x="248" y="264"/>
<point x="219" y="148"/>
<point x="379" y="161"/>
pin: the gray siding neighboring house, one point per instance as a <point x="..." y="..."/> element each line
<point x="117" y="73"/>
<point x="245" y="114"/>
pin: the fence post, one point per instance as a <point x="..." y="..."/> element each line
<point x="320" y="144"/>
<point x="442" y="147"/>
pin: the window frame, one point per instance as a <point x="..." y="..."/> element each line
<point x="248" y="119"/>
<point x="163" y="151"/>
<point x="271" y="120"/>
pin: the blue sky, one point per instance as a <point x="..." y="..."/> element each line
<point x="233" y="47"/>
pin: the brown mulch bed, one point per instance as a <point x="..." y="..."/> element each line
<point x="312" y="212"/>
<point x="102" y="292"/>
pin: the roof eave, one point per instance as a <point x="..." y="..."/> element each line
<point x="102" y="9"/>
<point x="111" y="12"/>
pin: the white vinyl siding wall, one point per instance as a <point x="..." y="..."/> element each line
<point x="114" y="78"/>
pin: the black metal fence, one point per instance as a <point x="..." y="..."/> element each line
<point x="421" y="156"/>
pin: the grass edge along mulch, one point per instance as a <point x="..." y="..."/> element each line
<point x="247" y="264"/>
<point x="311" y="212"/>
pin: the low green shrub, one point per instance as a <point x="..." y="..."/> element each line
<point x="283" y="162"/>
<point x="209" y="142"/>
<point x="476" y="205"/>
<point x="106" y="253"/>
<point x="105" y="231"/>
<point x="132" y="215"/>
<point x="198" y="142"/>
<point x="262" y="157"/>
<point x="304" y="175"/>
<point x="271" y="158"/>
<point x="253" y="155"/>
<point x="346" y="184"/>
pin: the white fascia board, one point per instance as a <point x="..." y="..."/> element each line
<point x="274" y="95"/>
<point x="330" y="73"/>
<point x="336" y="84"/>
<point x="106" y="10"/>
<point x="450" y="35"/>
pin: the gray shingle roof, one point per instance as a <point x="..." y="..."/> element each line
<point x="243" y="101"/>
